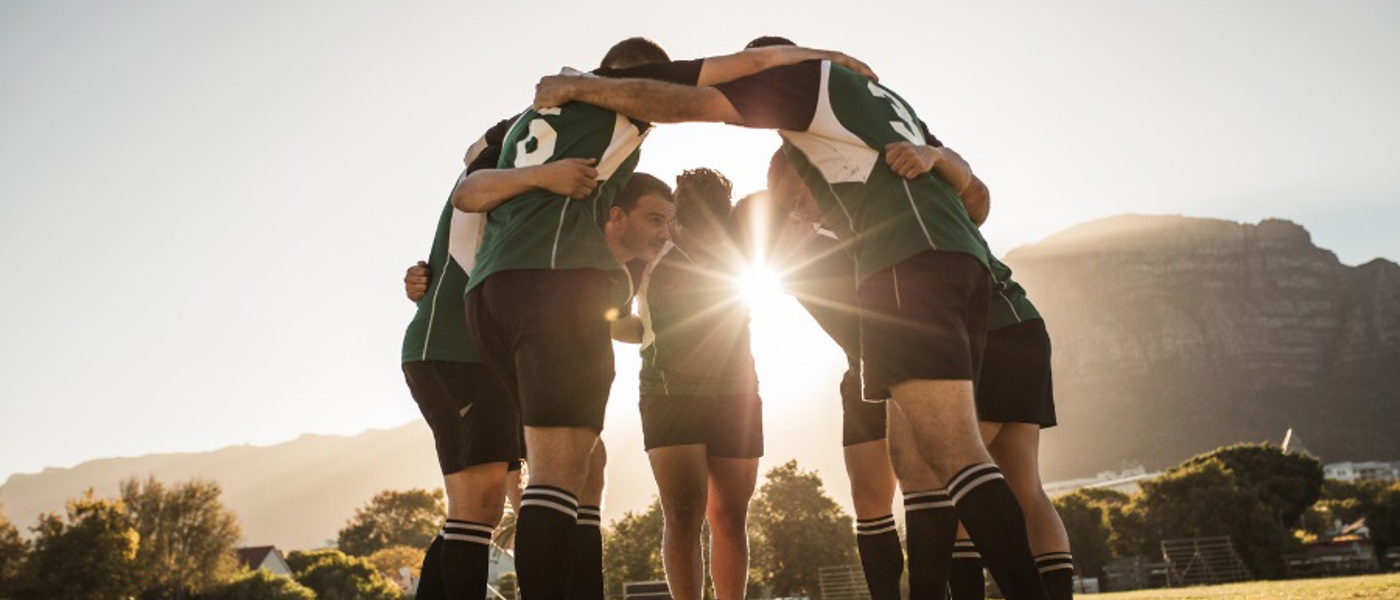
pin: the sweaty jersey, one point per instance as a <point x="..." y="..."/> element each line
<point x="695" y="339"/>
<point x="835" y="125"/>
<point x="438" y="330"/>
<point x="543" y="230"/>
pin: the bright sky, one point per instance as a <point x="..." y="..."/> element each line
<point x="206" y="207"/>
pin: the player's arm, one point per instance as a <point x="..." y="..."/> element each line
<point x="910" y="161"/>
<point x="481" y="190"/>
<point x="719" y="69"/>
<point x="415" y="281"/>
<point x="627" y="329"/>
<point x="646" y="99"/>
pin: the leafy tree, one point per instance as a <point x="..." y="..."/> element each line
<point x="1203" y="499"/>
<point x="13" y="549"/>
<point x="90" y="555"/>
<point x="798" y="530"/>
<point x="333" y="575"/>
<point x="393" y="518"/>
<point x="1086" y="519"/>
<point x="1287" y="483"/>
<point x="632" y="548"/>
<point x="389" y="560"/>
<point x="260" y="585"/>
<point x="187" y="536"/>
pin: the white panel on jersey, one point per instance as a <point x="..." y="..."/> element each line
<point x="463" y="237"/>
<point x="625" y="139"/>
<point x="839" y="154"/>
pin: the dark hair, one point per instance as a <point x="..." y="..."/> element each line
<point x="634" y="51"/>
<point x="640" y="185"/>
<point x="769" y="40"/>
<point x="702" y="198"/>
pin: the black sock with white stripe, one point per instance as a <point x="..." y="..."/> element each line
<point x="544" y="542"/>
<point x="931" y="524"/>
<point x="881" y="557"/>
<point x="1057" y="572"/>
<point x="466" y="554"/>
<point x="586" y="582"/>
<point x="988" y="509"/>
<point x="430" y="574"/>
<point x="965" y="580"/>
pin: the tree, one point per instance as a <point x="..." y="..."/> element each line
<point x="333" y="575"/>
<point x="1287" y="483"/>
<point x="1086" y="518"/>
<point x="797" y="529"/>
<point x="260" y="585"/>
<point x="389" y="560"/>
<point x="1203" y="499"/>
<point x="393" y="518"/>
<point x="632" y="548"/>
<point x="13" y="549"/>
<point x="91" y="555"/>
<point x="187" y="536"/>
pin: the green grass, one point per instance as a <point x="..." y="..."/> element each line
<point x="1368" y="587"/>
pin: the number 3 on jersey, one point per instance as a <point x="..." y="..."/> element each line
<point x="905" y="126"/>
<point x="537" y="147"/>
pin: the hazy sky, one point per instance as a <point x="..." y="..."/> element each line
<point x="206" y="207"/>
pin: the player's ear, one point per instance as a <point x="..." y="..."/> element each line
<point x="615" y="214"/>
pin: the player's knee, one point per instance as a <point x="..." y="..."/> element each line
<point x="688" y="512"/>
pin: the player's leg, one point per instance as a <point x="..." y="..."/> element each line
<point x="731" y="485"/>
<point x="586" y="583"/>
<point x="682" y="475"/>
<point x="1016" y="450"/>
<point x="872" y="480"/>
<point x="929" y="518"/>
<point x="923" y="327"/>
<point x="734" y="445"/>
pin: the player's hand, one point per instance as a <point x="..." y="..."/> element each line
<point x="554" y="90"/>
<point x="909" y="161"/>
<point x="853" y="64"/>
<point x="415" y="281"/>
<point x="572" y="177"/>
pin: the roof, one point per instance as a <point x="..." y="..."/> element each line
<point x="253" y="556"/>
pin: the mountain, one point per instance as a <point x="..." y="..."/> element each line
<point x="1176" y="335"/>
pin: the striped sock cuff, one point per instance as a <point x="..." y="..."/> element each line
<point x="1054" y="561"/>
<point x="590" y="516"/>
<point x="875" y="526"/>
<point x="551" y="498"/>
<point x="970" y="478"/>
<point x="927" y="500"/>
<point x="965" y="549"/>
<point x="456" y="530"/>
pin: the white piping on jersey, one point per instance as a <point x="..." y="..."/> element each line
<point x="554" y="254"/>
<point x="917" y="217"/>
<point x="898" y="303"/>
<point x="432" y="312"/>
<point x="824" y="232"/>
<point x="1014" y="314"/>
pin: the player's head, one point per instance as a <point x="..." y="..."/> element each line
<point x="702" y="204"/>
<point x="769" y="40"/>
<point x="790" y="205"/>
<point x="634" y="51"/>
<point x="639" y="223"/>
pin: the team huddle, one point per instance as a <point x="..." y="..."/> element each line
<point x="551" y="247"/>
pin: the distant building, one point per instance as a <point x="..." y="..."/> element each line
<point x="1125" y="481"/>
<point x="1362" y="471"/>
<point x="267" y="558"/>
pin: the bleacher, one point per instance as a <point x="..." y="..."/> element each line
<point x="1203" y="561"/>
<point x="843" y="583"/>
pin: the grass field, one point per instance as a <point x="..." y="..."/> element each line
<point x="1369" y="587"/>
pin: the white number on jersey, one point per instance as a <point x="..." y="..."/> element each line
<point x="905" y="126"/>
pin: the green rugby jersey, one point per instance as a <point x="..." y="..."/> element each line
<point x="1010" y="305"/>
<point x="835" y="125"/>
<point x="438" y="330"/>
<point x="695" y="339"/>
<point x="543" y="230"/>
<point x="825" y="285"/>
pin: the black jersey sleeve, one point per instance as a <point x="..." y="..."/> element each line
<point x="495" y="138"/>
<point x="778" y="98"/>
<point x="683" y="72"/>
<point x="929" y="138"/>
